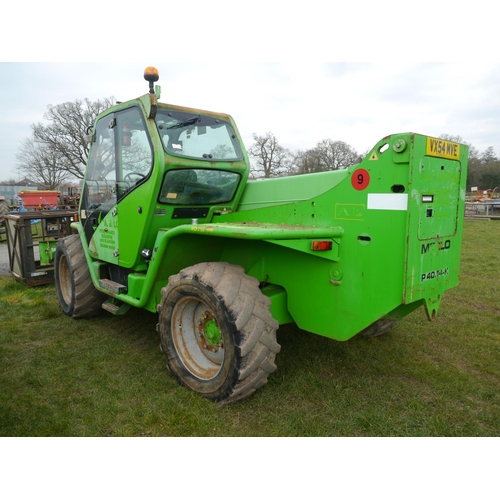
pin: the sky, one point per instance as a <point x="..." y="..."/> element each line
<point x="300" y="103"/>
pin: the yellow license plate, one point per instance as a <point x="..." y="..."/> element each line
<point x="442" y="148"/>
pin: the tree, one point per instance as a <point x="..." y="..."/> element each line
<point x="271" y="159"/>
<point x="490" y="178"/>
<point x="10" y="182"/>
<point x="336" y="155"/>
<point x="221" y="151"/>
<point x="65" y="135"/>
<point x="327" y="155"/>
<point x="473" y="170"/>
<point x="473" y="152"/>
<point x="41" y="164"/>
<point x="483" y="170"/>
<point x="306" y="162"/>
<point x="488" y="156"/>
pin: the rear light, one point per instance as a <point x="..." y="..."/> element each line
<point x="320" y="246"/>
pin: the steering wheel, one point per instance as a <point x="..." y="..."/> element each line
<point x="130" y="174"/>
<point x="204" y="190"/>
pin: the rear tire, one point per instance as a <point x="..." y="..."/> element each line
<point x="76" y="293"/>
<point x="378" y="328"/>
<point x="217" y="331"/>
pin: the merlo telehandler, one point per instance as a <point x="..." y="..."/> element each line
<point x="169" y="222"/>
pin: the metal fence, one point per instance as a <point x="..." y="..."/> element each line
<point x="490" y="208"/>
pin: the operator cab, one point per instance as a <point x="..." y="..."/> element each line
<point x="155" y="166"/>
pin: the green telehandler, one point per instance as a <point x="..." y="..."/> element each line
<point x="169" y="222"/>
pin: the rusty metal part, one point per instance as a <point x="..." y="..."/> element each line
<point x="201" y="356"/>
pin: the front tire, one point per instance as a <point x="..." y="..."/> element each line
<point x="217" y="331"/>
<point x="76" y="293"/>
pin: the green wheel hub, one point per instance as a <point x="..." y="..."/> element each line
<point x="212" y="332"/>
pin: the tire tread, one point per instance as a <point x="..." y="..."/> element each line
<point x="87" y="299"/>
<point x="250" y="309"/>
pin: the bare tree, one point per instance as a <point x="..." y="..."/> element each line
<point x="66" y="132"/>
<point x="473" y="152"/>
<point x="488" y="156"/>
<point x="10" y="182"/>
<point x="335" y="155"/>
<point x="483" y="169"/>
<point x="327" y="155"/>
<point x="221" y="151"/>
<point x="42" y="164"/>
<point x="306" y="162"/>
<point x="270" y="159"/>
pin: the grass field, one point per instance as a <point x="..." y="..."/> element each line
<point x="107" y="377"/>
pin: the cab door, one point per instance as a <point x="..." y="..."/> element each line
<point x="99" y="197"/>
<point x="135" y="194"/>
<point x="120" y="162"/>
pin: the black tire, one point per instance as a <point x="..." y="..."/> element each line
<point x="217" y="331"/>
<point x="378" y="328"/>
<point x="4" y="210"/>
<point x="77" y="295"/>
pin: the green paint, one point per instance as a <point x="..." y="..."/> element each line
<point x="394" y="222"/>
<point x="212" y="332"/>
<point x="47" y="249"/>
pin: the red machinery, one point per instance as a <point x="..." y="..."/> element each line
<point x="39" y="200"/>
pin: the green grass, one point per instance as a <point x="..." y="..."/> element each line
<point x="107" y="377"/>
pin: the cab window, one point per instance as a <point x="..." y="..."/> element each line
<point x="121" y="158"/>
<point x="197" y="136"/>
<point x="198" y="187"/>
<point x="135" y="155"/>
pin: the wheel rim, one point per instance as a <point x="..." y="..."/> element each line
<point x="197" y="338"/>
<point x="65" y="280"/>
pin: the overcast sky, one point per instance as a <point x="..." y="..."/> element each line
<point x="301" y="101"/>
<point x="301" y="104"/>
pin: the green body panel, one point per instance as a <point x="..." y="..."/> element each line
<point x="392" y="225"/>
<point x="397" y="251"/>
<point x="47" y="250"/>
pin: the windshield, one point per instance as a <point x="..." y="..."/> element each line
<point x="198" y="187"/>
<point x="197" y="136"/>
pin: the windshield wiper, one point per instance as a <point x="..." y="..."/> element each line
<point x="190" y="121"/>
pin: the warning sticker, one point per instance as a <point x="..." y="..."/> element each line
<point x="373" y="156"/>
<point x="360" y="179"/>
